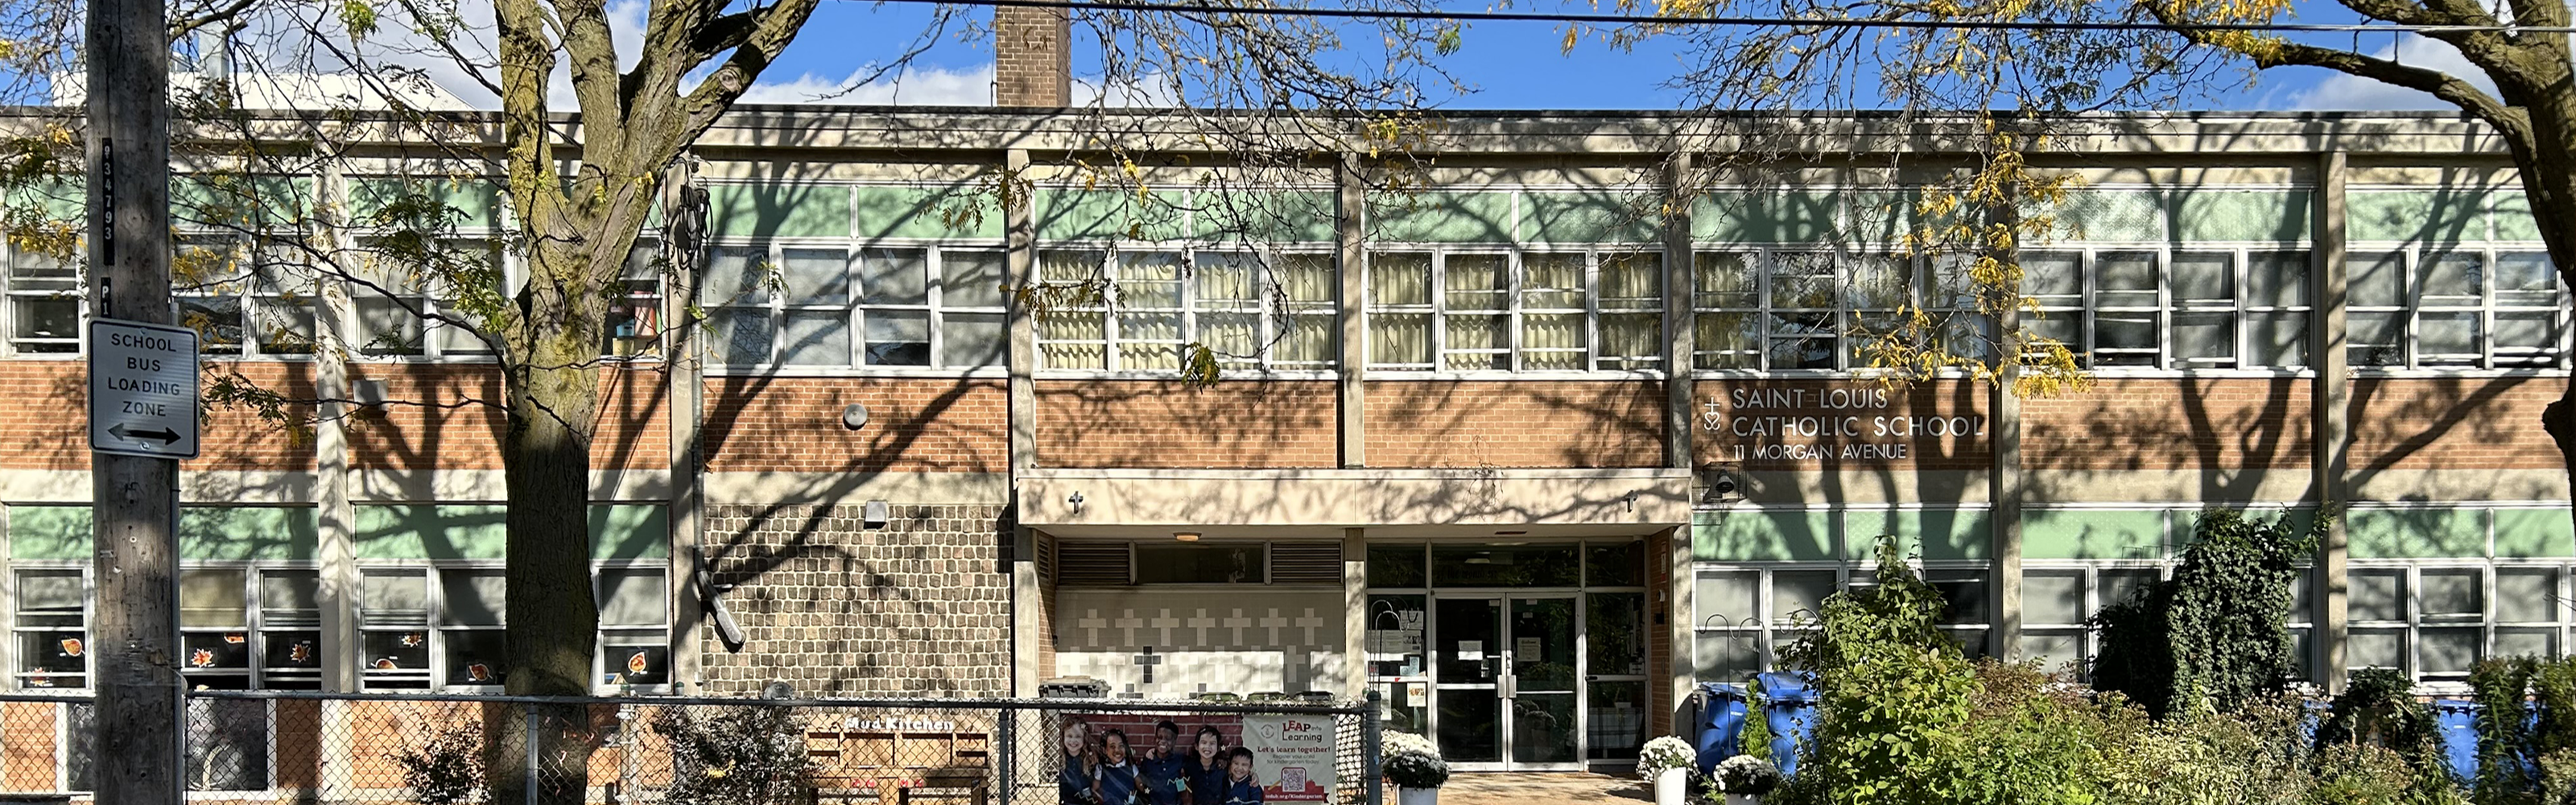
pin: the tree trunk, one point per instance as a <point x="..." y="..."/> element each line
<point x="553" y="391"/>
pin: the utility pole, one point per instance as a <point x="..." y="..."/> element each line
<point x="134" y="635"/>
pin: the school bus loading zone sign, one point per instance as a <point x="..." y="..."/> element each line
<point x="142" y="389"/>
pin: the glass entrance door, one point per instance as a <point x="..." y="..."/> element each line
<point x="1507" y="681"/>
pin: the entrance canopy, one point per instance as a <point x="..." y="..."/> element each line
<point x="1388" y="502"/>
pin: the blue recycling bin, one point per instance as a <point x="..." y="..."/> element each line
<point x="1790" y="709"/>
<point x="1721" y="723"/>
<point x="2455" y="723"/>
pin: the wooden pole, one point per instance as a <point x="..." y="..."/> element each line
<point x="134" y="632"/>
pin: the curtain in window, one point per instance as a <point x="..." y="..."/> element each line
<point x="1400" y="338"/>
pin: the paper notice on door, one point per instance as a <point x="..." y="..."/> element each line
<point x="1527" y="649"/>
<point x="1417" y="694"/>
<point x="1471" y="651"/>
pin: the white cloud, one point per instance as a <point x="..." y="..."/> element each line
<point x="2346" y="92"/>
<point x="932" y="87"/>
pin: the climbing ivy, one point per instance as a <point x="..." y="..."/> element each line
<point x="2214" y="631"/>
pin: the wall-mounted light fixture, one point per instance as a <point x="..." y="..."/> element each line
<point x="854" y="417"/>
<point x="874" y="515"/>
<point x="1186" y="536"/>
<point x="368" y="392"/>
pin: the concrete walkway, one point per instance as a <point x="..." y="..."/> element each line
<point x="1470" y="788"/>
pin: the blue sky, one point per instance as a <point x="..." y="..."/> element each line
<point x="1511" y="65"/>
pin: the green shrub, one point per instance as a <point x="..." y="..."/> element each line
<point x="2378" y="710"/>
<point x="2526" y="711"/>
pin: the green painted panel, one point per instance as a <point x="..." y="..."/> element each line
<point x="239" y="202"/>
<point x="1441" y="217"/>
<point x="480" y="532"/>
<point x="629" y="532"/>
<point x="1762" y="535"/>
<point x="469" y="203"/>
<point x="431" y="532"/>
<point x="244" y="533"/>
<point x="1878" y="217"/>
<point x="1764" y="217"/>
<point x="59" y="197"/>
<point x="2111" y="215"/>
<point x="266" y="533"/>
<point x="955" y="211"/>
<point x="2512" y="215"/>
<point x="779" y="210"/>
<point x="2534" y="534"/>
<point x="1930" y="534"/>
<point x="1273" y="216"/>
<point x="1109" y="215"/>
<point x="1605" y="216"/>
<point x="2187" y="521"/>
<point x="2261" y="215"/>
<point x="2417" y="533"/>
<point x="49" y="532"/>
<point x="2415" y="216"/>
<point x="2091" y="534"/>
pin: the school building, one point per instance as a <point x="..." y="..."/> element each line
<point x="1521" y="459"/>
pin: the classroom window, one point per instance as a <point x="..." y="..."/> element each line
<point x="2454" y="307"/>
<point x="1139" y="311"/>
<point x="833" y="306"/>
<point x="1510" y="310"/>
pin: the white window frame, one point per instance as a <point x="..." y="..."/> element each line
<point x="1594" y="360"/>
<point x="777" y="305"/>
<point x="2487" y="309"/>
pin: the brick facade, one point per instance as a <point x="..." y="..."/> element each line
<point x="1174" y="425"/>
<point x="2172" y="424"/>
<point x="794" y="425"/>
<point x="436" y="420"/>
<point x="919" y="607"/>
<point x="1515" y="423"/>
<point x="2453" y="423"/>
<point x="43" y="423"/>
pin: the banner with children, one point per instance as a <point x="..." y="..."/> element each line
<point x="1192" y="759"/>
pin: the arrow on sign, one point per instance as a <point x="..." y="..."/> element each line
<point x="166" y="435"/>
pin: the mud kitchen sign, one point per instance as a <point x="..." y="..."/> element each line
<point x="1820" y="423"/>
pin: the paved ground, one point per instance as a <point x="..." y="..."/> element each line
<point x="1467" y="788"/>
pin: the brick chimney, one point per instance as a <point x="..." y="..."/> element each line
<point x="1032" y="57"/>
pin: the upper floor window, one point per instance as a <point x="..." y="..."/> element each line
<point x="830" y="306"/>
<point x="2202" y="308"/>
<point x="44" y="302"/>
<point x="2455" y="307"/>
<point x="1138" y="311"/>
<point x="1803" y="309"/>
<point x="1474" y="310"/>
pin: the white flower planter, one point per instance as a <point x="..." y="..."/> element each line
<point x="1417" y="796"/>
<point x="1672" y="787"/>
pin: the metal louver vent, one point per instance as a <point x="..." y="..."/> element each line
<point x="1091" y="563"/>
<point x="1305" y="563"/>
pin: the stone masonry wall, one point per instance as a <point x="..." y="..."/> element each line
<point x="919" y="607"/>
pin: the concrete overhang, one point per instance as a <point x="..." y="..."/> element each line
<point x="1388" y="502"/>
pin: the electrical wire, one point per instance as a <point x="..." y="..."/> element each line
<point x="1631" y="19"/>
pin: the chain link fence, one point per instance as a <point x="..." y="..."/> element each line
<point x="281" y="747"/>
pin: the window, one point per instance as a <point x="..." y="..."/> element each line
<point x="2057" y="602"/>
<point x="393" y="300"/>
<point x="2436" y="621"/>
<point x="832" y="306"/>
<point x="2460" y="307"/>
<point x="1118" y="564"/>
<point x="1469" y="310"/>
<point x="2199" y="308"/>
<point x="44" y="301"/>
<point x="246" y="298"/>
<point x="52" y="624"/>
<point x="635" y="307"/>
<point x="1778" y="310"/>
<point x="1252" y="310"/>
<point x="1748" y="614"/>
<point x="446" y="627"/>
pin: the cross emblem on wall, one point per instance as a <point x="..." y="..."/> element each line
<point x="1148" y="660"/>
